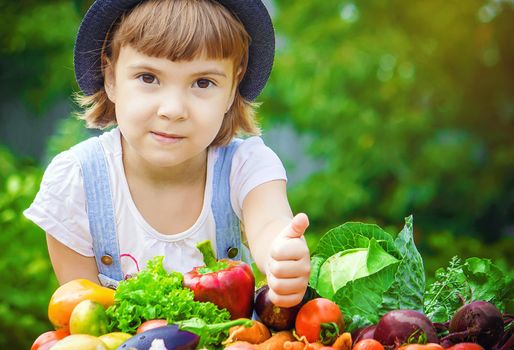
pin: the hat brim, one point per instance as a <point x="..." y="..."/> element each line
<point x="102" y="14"/>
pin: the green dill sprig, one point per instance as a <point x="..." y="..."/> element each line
<point x="446" y="293"/>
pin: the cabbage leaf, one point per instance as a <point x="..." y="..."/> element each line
<point x="368" y="272"/>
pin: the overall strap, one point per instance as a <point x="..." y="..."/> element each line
<point x="228" y="231"/>
<point x="102" y="224"/>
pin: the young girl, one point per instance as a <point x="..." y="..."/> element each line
<point x="176" y="78"/>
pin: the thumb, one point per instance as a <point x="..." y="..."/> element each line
<point x="297" y="227"/>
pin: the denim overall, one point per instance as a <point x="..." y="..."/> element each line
<point x="102" y="223"/>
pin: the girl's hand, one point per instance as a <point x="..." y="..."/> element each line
<point x="289" y="266"/>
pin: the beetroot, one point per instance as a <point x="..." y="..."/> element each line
<point x="367" y="332"/>
<point x="405" y="326"/>
<point x="278" y="318"/>
<point x="478" y="322"/>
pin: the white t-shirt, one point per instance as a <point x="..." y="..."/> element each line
<point x="59" y="206"/>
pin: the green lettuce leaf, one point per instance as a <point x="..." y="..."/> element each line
<point x="156" y="294"/>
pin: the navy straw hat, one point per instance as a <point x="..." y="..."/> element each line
<point x="103" y="13"/>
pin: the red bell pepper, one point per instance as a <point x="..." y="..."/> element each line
<point x="229" y="284"/>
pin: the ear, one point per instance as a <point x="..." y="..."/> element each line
<point x="109" y="82"/>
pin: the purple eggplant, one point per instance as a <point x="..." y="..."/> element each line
<point x="174" y="339"/>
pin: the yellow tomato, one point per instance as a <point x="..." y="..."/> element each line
<point x="67" y="296"/>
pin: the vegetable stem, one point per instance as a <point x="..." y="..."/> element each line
<point x="218" y="327"/>
<point x="329" y="332"/>
<point x="205" y="247"/>
<point x="209" y="332"/>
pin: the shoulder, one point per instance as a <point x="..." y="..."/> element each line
<point x="59" y="207"/>
<point x="253" y="164"/>
<point x="247" y="153"/>
<point x="63" y="168"/>
<point x="253" y="148"/>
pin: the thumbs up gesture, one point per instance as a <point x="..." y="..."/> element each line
<point x="288" y="265"/>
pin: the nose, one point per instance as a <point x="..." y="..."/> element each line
<point x="172" y="105"/>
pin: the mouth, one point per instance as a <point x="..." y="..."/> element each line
<point x="165" y="137"/>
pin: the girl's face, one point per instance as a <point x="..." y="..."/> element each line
<point x="169" y="112"/>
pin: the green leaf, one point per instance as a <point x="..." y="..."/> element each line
<point x="351" y="264"/>
<point x="316" y="262"/>
<point x="211" y="333"/>
<point x="409" y="285"/>
<point x="154" y="293"/>
<point x="460" y="283"/>
<point x="352" y="235"/>
<point x="378" y="258"/>
<point x="360" y="299"/>
<point x="341" y="268"/>
<point x="487" y="282"/>
<point x="371" y="273"/>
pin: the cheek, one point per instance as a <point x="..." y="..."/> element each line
<point x="210" y="116"/>
<point x="132" y="108"/>
<point x="207" y="124"/>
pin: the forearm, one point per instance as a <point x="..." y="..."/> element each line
<point x="277" y="243"/>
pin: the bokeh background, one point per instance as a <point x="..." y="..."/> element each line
<point x="379" y="109"/>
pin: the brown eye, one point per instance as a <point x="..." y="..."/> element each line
<point x="203" y="83"/>
<point x="147" y="78"/>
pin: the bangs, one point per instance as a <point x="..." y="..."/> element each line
<point x="182" y="30"/>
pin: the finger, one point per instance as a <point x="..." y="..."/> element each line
<point x="289" y="300"/>
<point x="289" y="268"/>
<point x="286" y="286"/>
<point x="291" y="249"/>
<point x="297" y="226"/>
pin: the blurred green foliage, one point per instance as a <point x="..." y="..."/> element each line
<point x="410" y="107"/>
<point x="28" y="280"/>
<point x="36" y="51"/>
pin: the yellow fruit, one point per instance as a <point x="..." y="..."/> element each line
<point x="79" y="342"/>
<point x="89" y="317"/>
<point x="67" y="296"/>
<point x="113" y="340"/>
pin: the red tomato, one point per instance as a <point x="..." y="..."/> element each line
<point x="150" y="325"/>
<point x="47" y="337"/>
<point x="326" y="348"/>
<point x="314" y="320"/>
<point x="429" y="346"/>
<point x="466" y="346"/>
<point x="368" y="344"/>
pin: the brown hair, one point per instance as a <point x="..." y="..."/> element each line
<point x="178" y="30"/>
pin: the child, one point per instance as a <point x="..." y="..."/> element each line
<point x="176" y="78"/>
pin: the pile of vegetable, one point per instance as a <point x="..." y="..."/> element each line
<point x="367" y="290"/>
<point x="378" y="282"/>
